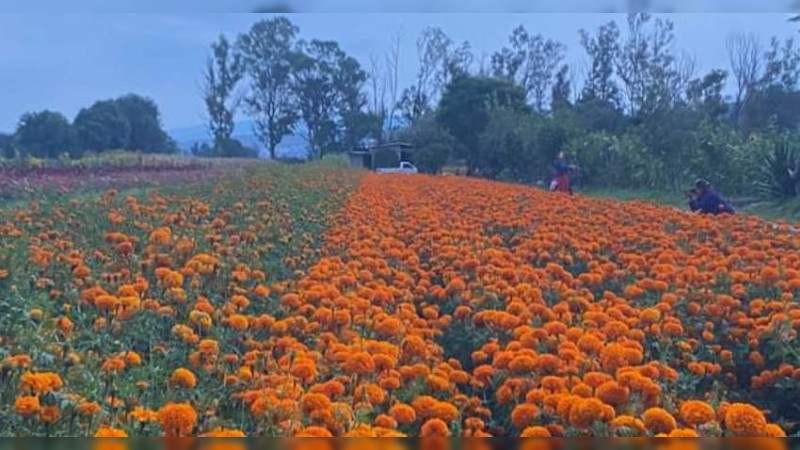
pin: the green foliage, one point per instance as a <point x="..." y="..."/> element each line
<point x="432" y="144"/>
<point x="144" y="119"/>
<point x="44" y="134"/>
<point x="7" y="149"/>
<point x="334" y="160"/>
<point x="327" y="87"/>
<point x="465" y="106"/>
<point x="779" y="171"/>
<point x="223" y="71"/>
<point x="102" y="126"/>
<point x="228" y="148"/>
<point x="267" y="50"/>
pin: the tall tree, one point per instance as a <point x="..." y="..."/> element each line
<point x="224" y="70"/>
<point x="440" y="61"/>
<point x="654" y="78"/>
<point x="328" y="86"/>
<point x="744" y="55"/>
<point x="562" y="90"/>
<point x="602" y="50"/>
<point x="464" y="110"/>
<point x="354" y="122"/>
<point x="146" y="132"/>
<point x="45" y="134"/>
<point x="102" y="126"/>
<point x="268" y="51"/>
<point x="7" y="146"/>
<point x="532" y="62"/>
<point x="704" y="95"/>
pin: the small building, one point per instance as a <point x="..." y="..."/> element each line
<point x="378" y="156"/>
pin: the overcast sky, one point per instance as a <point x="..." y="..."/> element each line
<point x="67" y="61"/>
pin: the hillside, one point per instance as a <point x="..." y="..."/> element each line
<point x="292" y="146"/>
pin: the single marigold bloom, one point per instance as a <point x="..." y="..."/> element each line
<point x="694" y="412"/>
<point x="744" y="420"/>
<point x="177" y="419"/>
<point x="772" y="430"/>
<point x="683" y="432"/>
<point x="40" y="383"/>
<point x="524" y="415"/>
<point x="385" y="421"/>
<point x="88" y="408"/>
<point x="586" y="412"/>
<point x="314" y="431"/>
<point x="359" y="363"/>
<point x="403" y="414"/>
<point x="108" y="432"/>
<point x="612" y="393"/>
<point x="140" y="414"/>
<point x="535" y="432"/>
<point x="445" y="411"/>
<point x="114" y="365"/>
<point x="49" y="414"/>
<point x="312" y="402"/>
<point x="659" y="420"/>
<point x="183" y="378"/>
<point x="631" y="423"/>
<point x="27" y="405"/>
<point x="434" y="428"/>
<point x="225" y="433"/>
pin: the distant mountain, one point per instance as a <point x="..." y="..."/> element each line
<point x="292" y="146"/>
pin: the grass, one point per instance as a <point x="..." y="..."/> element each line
<point x="788" y="211"/>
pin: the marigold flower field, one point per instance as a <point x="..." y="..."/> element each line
<point x="318" y="301"/>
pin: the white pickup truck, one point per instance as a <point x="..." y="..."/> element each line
<point x="405" y="167"/>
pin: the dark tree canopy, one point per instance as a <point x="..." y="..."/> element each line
<point x="144" y="119"/>
<point x="465" y="105"/>
<point x="223" y="71"/>
<point x="45" y="134"/>
<point x="102" y="126"/>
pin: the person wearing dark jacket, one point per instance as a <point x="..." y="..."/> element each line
<point x="706" y="201"/>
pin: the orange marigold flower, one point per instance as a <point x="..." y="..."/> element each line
<point x="114" y="365"/>
<point x="225" y="433"/>
<point x="183" y="378"/>
<point x="312" y="402"/>
<point x="587" y="411"/>
<point x="772" y="430"/>
<point x="403" y="414"/>
<point x="694" y="412"/>
<point x="524" y="415"/>
<point x="744" y="420"/>
<point x="49" y="414"/>
<point x="40" y="383"/>
<point x="612" y="393"/>
<point x="683" y="432"/>
<point x="108" y="432"/>
<point x="88" y="408"/>
<point x="140" y="414"/>
<point x="434" y="428"/>
<point x="313" y="431"/>
<point x="27" y="405"/>
<point x="177" y="419"/>
<point x="359" y="363"/>
<point x="659" y="420"/>
<point x="535" y="432"/>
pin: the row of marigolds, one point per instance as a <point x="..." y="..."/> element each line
<point x="437" y="307"/>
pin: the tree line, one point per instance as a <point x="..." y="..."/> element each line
<point x="286" y="85"/>
<point x="640" y="117"/>
<point x="130" y="122"/>
<point x="638" y="114"/>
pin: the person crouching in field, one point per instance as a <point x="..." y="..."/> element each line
<point x="706" y="201"/>
<point x="561" y="173"/>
